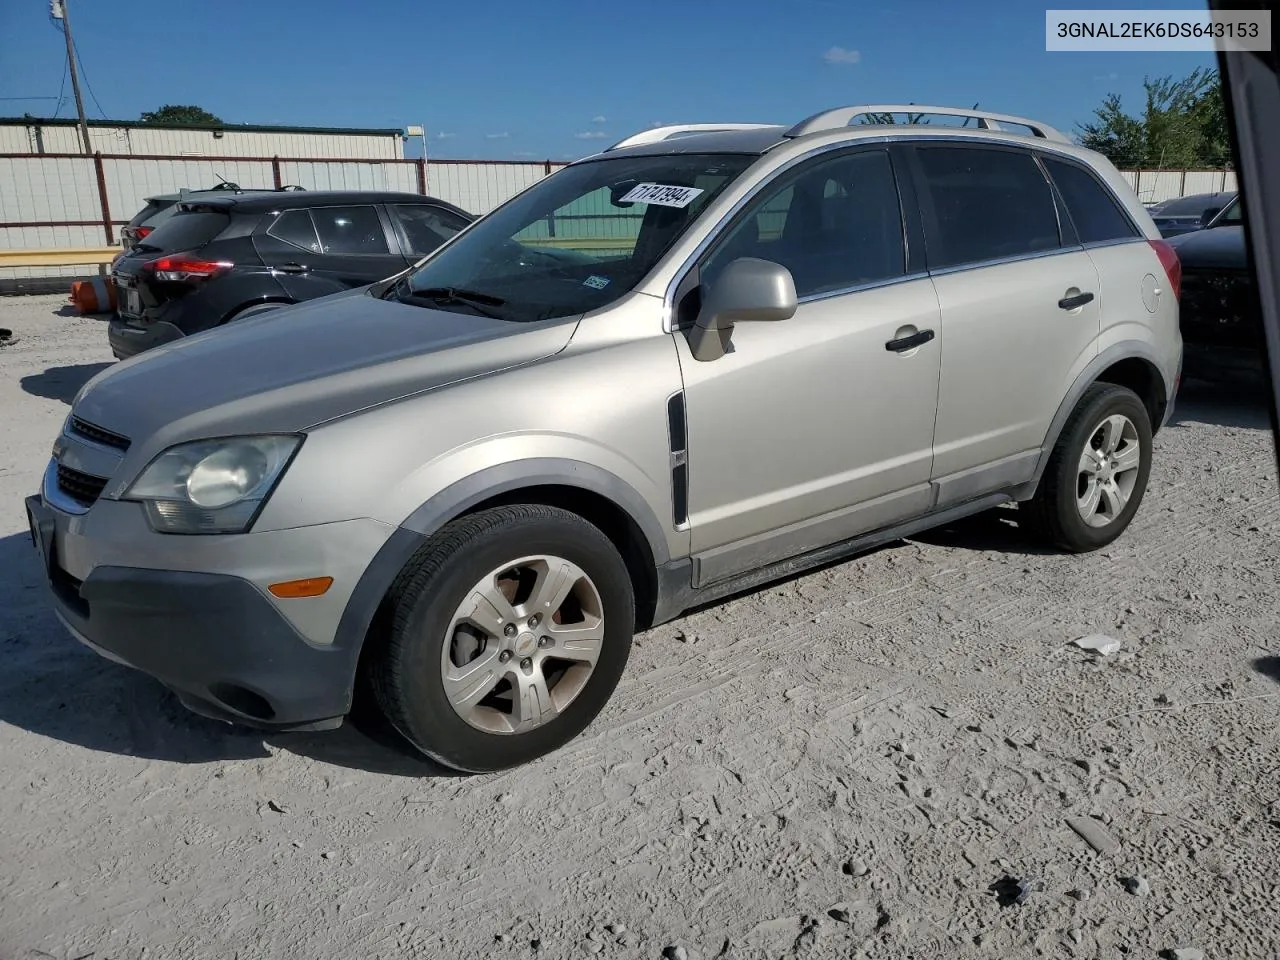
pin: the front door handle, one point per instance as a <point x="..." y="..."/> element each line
<point x="1073" y="303"/>
<point x="902" y="344"/>
<point x="292" y="268"/>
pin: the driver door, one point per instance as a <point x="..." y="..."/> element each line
<point x="815" y="429"/>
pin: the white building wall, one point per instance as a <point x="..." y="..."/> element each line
<point x="166" y="141"/>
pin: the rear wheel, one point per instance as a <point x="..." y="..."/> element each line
<point x="511" y="631"/>
<point x="1097" y="473"/>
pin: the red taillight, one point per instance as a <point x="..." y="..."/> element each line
<point x="141" y="232"/>
<point x="181" y="269"/>
<point x="1172" y="265"/>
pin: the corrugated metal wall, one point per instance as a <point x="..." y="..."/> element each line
<point x="1152" y="186"/>
<point x="162" y="141"/>
<point x="37" y="190"/>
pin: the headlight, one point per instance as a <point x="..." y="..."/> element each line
<point x="212" y="486"/>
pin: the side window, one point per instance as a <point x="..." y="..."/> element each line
<point x="988" y="204"/>
<point x="834" y="223"/>
<point x="426" y="226"/>
<point x="350" y="230"/>
<point x="295" y="227"/>
<point x="1093" y="210"/>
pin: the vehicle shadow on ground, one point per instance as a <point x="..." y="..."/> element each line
<point x="992" y="531"/>
<point x="62" y="383"/>
<point x="55" y="687"/>
<point x="1268" y="667"/>
<point x="1222" y="404"/>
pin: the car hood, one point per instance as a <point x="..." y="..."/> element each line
<point x="1216" y="248"/>
<point x="293" y="368"/>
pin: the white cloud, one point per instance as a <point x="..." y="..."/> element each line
<point x="497" y="136"/>
<point x="656" y="124"/>
<point x="599" y="120"/>
<point x="591" y="135"/>
<point x="841" y="55"/>
<point x="444" y="135"/>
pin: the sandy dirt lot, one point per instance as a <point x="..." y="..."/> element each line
<point x="861" y="762"/>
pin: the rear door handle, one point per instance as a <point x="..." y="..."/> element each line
<point x="1079" y="300"/>
<point x="292" y="268"/>
<point x="910" y="342"/>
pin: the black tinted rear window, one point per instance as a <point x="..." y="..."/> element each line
<point x="146" y="213"/>
<point x="186" y="230"/>
<point x="1093" y="210"/>
<point x="989" y="205"/>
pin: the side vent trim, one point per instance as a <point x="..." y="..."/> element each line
<point x="677" y="440"/>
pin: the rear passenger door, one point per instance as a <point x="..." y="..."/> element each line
<point x="1020" y="311"/>
<point x="319" y="250"/>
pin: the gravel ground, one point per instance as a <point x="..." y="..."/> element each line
<point x="861" y="762"/>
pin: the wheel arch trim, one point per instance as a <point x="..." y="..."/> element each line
<point x="1124" y="350"/>
<point x="461" y="496"/>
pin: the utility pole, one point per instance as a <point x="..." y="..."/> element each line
<point x="58" y="10"/>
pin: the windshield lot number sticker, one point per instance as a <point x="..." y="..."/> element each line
<point x="661" y="195"/>
<point x="596" y="283"/>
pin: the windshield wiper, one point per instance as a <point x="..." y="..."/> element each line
<point x="477" y="301"/>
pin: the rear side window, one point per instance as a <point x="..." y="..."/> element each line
<point x="1095" y="213"/>
<point x="987" y="205"/>
<point x="147" y="212"/>
<point x="186" y="230"/>
<point x="295" y="227"/>
<point x="350" y="230"/>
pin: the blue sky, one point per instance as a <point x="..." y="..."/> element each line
<point x="558" y="79"/>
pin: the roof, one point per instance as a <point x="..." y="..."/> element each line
<point x="274" y="200"/>
<point x="227" y="127"/>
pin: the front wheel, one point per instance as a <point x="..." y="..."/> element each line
<point x="511" y="630"/>
<point x="1097" y="473"/>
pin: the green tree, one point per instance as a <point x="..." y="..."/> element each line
<point x="175" y="113"/>
<point x="1183" y="124"/>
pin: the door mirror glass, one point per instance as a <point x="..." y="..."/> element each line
<point x="747" y="290"/>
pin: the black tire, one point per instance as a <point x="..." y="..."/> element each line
<point x="406" y="673"/>
<point x="1052" y="515"/>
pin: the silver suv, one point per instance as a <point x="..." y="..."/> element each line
<point x="707" y="357"/>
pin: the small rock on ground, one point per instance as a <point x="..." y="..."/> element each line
<point x="674" y="952"/>
<point x="1098" y="643"/>
<point x="1184" y="953"/>
<point x="856" y="868"/>
<point x="1138" y="886"/>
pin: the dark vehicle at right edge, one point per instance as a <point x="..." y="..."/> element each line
<point x="1220" y="316"/>
<point x="222" y="259"/>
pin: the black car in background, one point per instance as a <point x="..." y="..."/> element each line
<point x="1185" y="214"/>
<point x="221" y="259"/>
<point x="1219" y="312"/>
<point x="156" y="210"/>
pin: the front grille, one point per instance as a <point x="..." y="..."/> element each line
<point x="83" y="488"/>
<point x="96" y="434"/>
<point x="1220" y="308"/>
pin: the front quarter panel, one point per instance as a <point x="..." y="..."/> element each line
<point x="592" y="416"/>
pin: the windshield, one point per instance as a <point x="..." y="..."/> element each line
<point x="574" y="242"/>
<point x="1191" y="206"/>
<point x="1231" y="216"/>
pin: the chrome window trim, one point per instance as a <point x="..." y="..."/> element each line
<point x="1001" y="261"/>
<point x="860" y="287"/>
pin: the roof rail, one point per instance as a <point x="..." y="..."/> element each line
<point x="658" y="134"/>
<point x="841" y="116"/>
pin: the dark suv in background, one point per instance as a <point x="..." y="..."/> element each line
<point x="224" y="258"/>
<point x="156" y="210"/>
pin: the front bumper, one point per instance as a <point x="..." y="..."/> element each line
<point x="128" y="340"/>
<point x="216" y="637"/>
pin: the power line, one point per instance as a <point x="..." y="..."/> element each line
<point x="88" y="86"/>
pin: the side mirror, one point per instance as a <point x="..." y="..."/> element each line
<point x="747" y="290"/>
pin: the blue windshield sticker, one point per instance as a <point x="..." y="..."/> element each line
<point x="596" y="283"/>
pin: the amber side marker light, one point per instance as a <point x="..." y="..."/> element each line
<point x="297" y="589"/>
